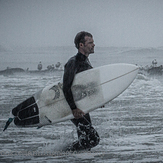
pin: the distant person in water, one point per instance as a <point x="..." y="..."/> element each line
<point x="87" y="135"/>
<point x="154" y="63"/>
<point x="39" y="67"/>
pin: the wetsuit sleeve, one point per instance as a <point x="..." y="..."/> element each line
<point x="68" y="77"/>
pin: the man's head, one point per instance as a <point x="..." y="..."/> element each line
<point x="84" y="43"/>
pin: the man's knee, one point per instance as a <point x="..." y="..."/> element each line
<point x="89" y="137"/>
<point x="94" y="137"/>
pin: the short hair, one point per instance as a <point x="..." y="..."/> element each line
<point x="80" y="38"/>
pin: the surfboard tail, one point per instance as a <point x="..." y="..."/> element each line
<point x="8" y="123"/>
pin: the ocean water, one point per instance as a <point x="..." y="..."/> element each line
<point x="130" y="126"/>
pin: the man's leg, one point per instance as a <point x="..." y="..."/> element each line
<point x="87" y="135"/>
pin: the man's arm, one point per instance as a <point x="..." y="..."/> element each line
<point x="69" y="74"/>
<point x="68" y="77"/>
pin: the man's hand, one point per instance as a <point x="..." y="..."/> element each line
<point x="78" y="113"/>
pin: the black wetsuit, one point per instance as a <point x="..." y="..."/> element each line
<point x="87" y="135"/>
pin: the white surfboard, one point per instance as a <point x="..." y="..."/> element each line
<point x="91" y="89"/>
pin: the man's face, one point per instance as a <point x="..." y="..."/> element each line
<point x="89" y="45"/>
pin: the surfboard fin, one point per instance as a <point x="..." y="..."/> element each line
<point x="8" y="123"/>
<point x="47" y="119"/>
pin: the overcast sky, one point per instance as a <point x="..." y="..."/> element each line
<point x="136" y="23"/>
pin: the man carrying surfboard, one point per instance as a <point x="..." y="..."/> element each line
<point x="87" y="135"/>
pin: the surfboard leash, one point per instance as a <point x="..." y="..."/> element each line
<point x="87" y="121"/>
<point x="8" y="123"/>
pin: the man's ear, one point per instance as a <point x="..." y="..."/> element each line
<point x="80" y="44"/>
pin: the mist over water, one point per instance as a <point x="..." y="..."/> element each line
<point x="130" y="126"/>
<point x="30" y="57"/>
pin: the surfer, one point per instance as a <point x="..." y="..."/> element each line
<point x="154" y="63"/>
<point x="87" y="135"/>
<point x="39" y="67"/>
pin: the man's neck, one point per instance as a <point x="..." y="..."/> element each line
<point x="80" y="51"/>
